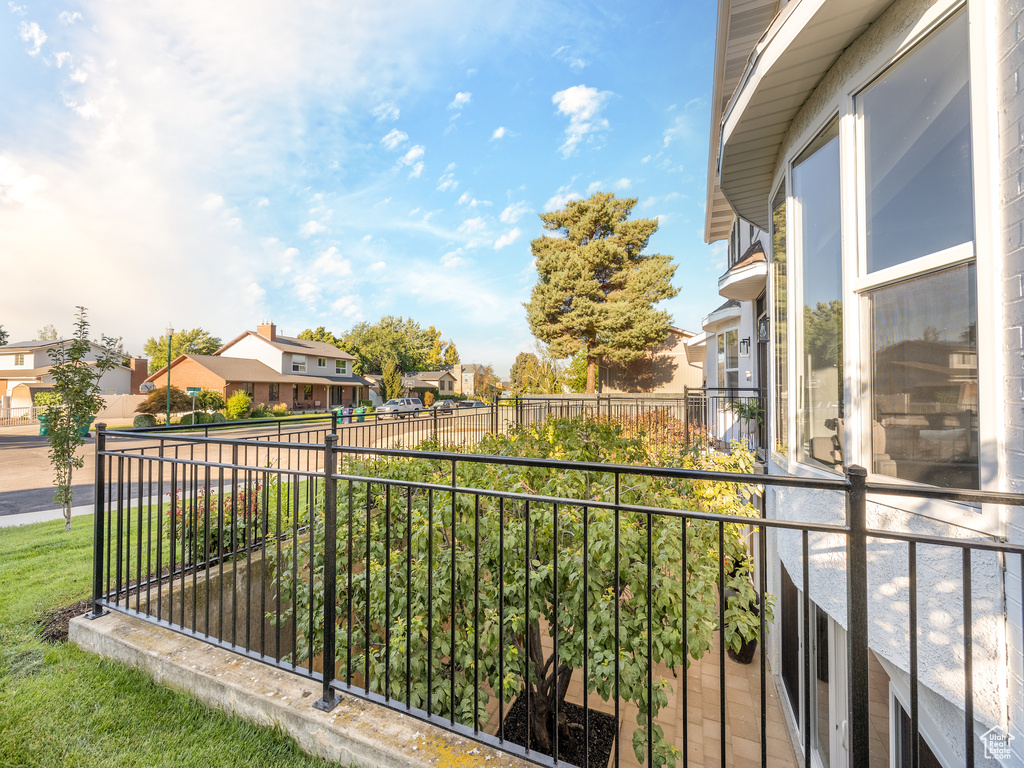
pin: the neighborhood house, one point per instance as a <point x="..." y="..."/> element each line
<point x="273" y="370"/>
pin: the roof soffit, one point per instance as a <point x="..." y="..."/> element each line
<point x="786" y="66"/>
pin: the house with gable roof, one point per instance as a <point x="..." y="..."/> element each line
<point x="274" y="370"/>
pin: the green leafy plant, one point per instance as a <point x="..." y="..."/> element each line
<point x="210" y="400"/>
<point x="749" y="408"/>
<point x="156" y="402"/>
<point x="75" y="403"/>
<point x="261" y="411"/>
<point x="280" y="411"/>
<point x="480" y="543"/>
<point x="238" y="405"/>
<point x="218" y="418"/>
<point x="144" y="420"/>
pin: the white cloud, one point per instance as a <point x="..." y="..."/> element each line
<point x="79" y="75"/>
<point x="416" y="171"/>
<point x="561" y="197"/>
<point x="263" y="202"/>
<point x="213" y="202"/>
<point x="311" y="228"/>
<point x="394" y="138"/>
<point x="499" y="133"/>
<point x="473" y="226"/>
<point x="453" y="259"/>
<point x="565" y="55"/>
<point x="680" y="130"/>
<point x="515" y="212"/>
<point x="507" y="239"/>
<point x="330" y="263"/>
<point x="646" y="159"/>
<point x="472" y="202"/>
<point x="348" y="306"/>
<point x="367" y="238"/>
<point x="30" y="32"/>
<point x="582" y="105"/>
<point x="378" y="266"/>
<point x="449" y="168"/>
<point x="17" y="10"/>
<point x="61" y="58"/>
<point x="594" y="186"/>
<point x="413" y="155"/>
<point x="386" y="111"/>
<point x="623" y="184"/>
<point x="461" y="99"/>
<point x="69" y="17"/>
<point x="447" y="182"/>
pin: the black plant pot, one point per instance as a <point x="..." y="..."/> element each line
<point x="745" y="655"/>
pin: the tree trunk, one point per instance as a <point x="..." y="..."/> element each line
<point x="591" y="374"/>
<point x="67" y="504"/>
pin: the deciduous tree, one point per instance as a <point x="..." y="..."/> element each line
<point x="597" y="289"/>
<point x="3" y="336"/>
<point x="392" y="382"/>
<point x="76" y="401"/>
<point x="320" y="334"/>
<point x="192" y="342"/>
<point x="49" y="333"/>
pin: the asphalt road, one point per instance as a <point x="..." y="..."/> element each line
<point x="26" y="477"/>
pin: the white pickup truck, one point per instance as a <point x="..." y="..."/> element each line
<point x="399" y="407"/>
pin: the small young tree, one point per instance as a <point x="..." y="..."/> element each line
<point x="156" y="403"/>
<point x="392" y="382"/>
<point x="76" y="402"/>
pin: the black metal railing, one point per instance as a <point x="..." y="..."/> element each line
<point x="728" y="415"/>
<point x="445" y="587"/>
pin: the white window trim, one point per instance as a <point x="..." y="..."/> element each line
<point x="983" y="252"/>
<point x="297" y="366"/>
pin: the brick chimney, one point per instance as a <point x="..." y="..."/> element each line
<point x="140" y="372"/>
<point x="267" y="330"/>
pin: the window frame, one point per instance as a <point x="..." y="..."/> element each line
<point x="298" y="363"/>
<point x="19" y="360"/>
<point x="321" y="362"/>
<point x="722" y="358"/>
<point x="983" y="252"/>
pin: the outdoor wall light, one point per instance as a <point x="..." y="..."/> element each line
<point x="745" y="346"/>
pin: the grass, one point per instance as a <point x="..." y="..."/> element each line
<point x="62" y="706"/>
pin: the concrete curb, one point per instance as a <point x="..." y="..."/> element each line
<point x="357" y="732"/>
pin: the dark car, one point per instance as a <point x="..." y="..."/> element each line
<point x="472" y="404"/>
<point x="444" y="406"/>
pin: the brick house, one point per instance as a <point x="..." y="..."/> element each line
<point x="273" y="369"/>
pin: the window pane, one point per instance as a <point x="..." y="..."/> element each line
<point x="721" y="360"/>
<point x="819" y="689"/>
<point x="732" y="353"/>
<point x="917" y="141"/>
<point x="781" y="335"/>
<point x="820" y="366"/>
<point x="924" y="358"/>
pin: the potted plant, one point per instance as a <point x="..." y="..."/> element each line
<point x="749" y="411"/>
<point x="742" y="617"/>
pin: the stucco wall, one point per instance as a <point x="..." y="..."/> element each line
<point x="257" y="349"/>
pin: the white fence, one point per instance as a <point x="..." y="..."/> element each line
<point x="22" y="415"/>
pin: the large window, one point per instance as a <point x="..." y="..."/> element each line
<point x="298" y="363"/>
<point x="779" y="287"/>
<point x="917" y="152"/>
<point x="919" y="282"/>
<point x="820" y="320"/>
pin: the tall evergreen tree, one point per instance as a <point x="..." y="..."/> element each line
<point x="597" y="289"/>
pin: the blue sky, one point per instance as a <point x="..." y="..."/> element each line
<point x="216" y="164"/>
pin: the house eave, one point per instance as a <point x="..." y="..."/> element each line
<point x="744" y="283"/>
<point x="787" y="64"/>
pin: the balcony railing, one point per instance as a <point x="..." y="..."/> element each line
<point x="232" y="540"/>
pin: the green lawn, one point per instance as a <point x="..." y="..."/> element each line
<point x="60" y="706"/>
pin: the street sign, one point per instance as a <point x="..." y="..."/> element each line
<point x="193" y="391"/>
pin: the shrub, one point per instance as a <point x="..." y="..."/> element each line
<point x="210" y="400"/>
<point x="156" y="403"/>
<point x="238" y="405"/>
<point x="144" y="420"/>
<point x="43" y="399"/>
<point x="280" y="410"/>
<point x="428" y="399"/>
<point x="261" y="411"/>
<point x="218" y="418"/>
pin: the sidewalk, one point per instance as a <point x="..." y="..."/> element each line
<point x="27" y="518"/>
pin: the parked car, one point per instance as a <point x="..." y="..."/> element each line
<point x="400" y="407"/>
<point x="444" y="406"/>
<point x="472" y="404"/>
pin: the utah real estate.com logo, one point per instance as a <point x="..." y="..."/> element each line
<point x="997" y="743"/>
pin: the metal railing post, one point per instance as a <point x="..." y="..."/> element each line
<point x="686" y="416"/>
<point x="334" y="422"/>
<point x="330" y="699"/>
<point x="857" y="612"/>
<point x="97" y="541"/>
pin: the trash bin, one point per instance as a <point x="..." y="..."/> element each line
<point x="84" y="428"/>
<point x="360" y="414"/>
<point x="346" y="414"/>
<point x="43" y="429"/>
